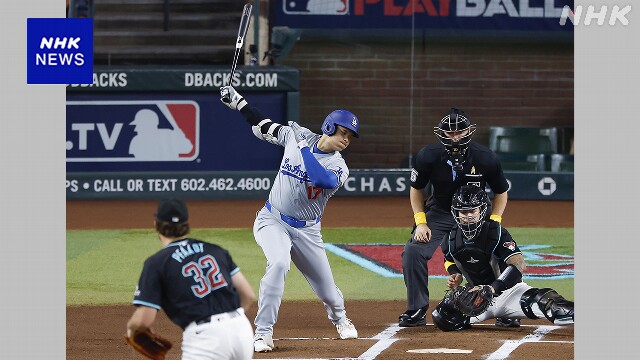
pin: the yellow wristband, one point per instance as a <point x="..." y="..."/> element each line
<point x="497" y="218"/>
<point x="421" y="218"/>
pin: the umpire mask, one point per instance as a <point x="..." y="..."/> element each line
<point x="454" y="132"/>
<point x="466" y="199"/>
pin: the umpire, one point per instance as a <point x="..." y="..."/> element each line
<point x="453" y="162"/>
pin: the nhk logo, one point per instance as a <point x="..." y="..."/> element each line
<point x="114" y="131"/>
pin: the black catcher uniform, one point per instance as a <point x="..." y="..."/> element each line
<point x="481" y="252"/>
<point x="447" y="165"/>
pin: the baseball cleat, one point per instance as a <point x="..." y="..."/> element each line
<point x="263" y="343"/>
<point x="347" y="330"/>
<point x="507" y="322"/>
<point x="411" y="318"/>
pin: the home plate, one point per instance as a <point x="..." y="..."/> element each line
<point x="440" y="351"/>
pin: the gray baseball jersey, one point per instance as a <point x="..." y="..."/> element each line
<point x="292" y="192"/>
<point x="288" y="229"/>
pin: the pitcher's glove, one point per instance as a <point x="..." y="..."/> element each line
<point x="149" y="344"/>
<point x="472" y="301"/>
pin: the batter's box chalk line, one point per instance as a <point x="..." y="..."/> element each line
<point x="385" y="339"/>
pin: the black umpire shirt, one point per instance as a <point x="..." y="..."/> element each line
<point x="189" y="279"/>
<point x="481" y="167"/>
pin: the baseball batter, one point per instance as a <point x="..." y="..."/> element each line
<point x="288" y="226"/>
<point x="200" y="289"/>
<point x="484" y="253"/>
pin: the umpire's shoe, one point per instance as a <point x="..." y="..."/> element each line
<point x="412" y="318"/>
<point x="507" y="322"/>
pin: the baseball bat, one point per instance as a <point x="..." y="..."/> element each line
<point x="242" y="32"/>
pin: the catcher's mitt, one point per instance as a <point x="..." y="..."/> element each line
<point x="472" y="301"/>
<point x="149" y="344"/>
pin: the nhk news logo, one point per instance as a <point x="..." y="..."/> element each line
<point x="59" y="51"/>
<point x="126" y="131"/>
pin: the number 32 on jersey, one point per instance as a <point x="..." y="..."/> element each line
<point x="205" y="282"/>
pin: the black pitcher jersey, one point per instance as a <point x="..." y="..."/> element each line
<point x="190" y="280"/>
<point x="482" y="259"/>
<point x="481" y="167"/>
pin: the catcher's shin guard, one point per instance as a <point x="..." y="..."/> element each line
<point x="448" y="318"/>
<point x="555" y="308"/>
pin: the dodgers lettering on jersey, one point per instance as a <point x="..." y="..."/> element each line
<point x="190" y="280"/>
<point x="293" y="193"/>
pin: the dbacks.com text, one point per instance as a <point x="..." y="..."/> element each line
<point x="216" y="80"/>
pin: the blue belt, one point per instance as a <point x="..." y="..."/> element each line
<point x="291" y="221"/>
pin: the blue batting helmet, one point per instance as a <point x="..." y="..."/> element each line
<point x="342" y="118"/>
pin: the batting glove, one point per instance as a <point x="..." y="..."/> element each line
<point x="298" y="133"/>
<point x="230" y="97"/>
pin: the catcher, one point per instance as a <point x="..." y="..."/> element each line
<point x="200" y="289"/>
<point x="484" y="253"/>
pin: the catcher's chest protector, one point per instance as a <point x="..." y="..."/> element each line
<point x="476" y="259"/>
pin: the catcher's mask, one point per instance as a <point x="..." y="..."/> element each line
<point x="466" y="198"/>
<point x="448" y="131"/>
<point x="343" y="118"/>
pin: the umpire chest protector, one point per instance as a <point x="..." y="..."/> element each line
<point x="475" y="258"/>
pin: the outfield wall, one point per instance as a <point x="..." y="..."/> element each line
<point x="256" y="185"/>
<point x="145" y="133"/>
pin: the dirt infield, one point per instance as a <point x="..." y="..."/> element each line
<point x="96" y="332"/>
<point x="341" y="212"/>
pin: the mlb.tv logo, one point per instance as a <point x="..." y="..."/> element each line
<point x="59" y="51"/>
<point x="138" y="130"/>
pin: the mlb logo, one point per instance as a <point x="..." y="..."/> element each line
<point x="60" y="51"/>
<point x="126" y="131"/>
<point x="316" y="7"/>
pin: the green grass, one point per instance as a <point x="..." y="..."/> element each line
<point x="103" y="266"/>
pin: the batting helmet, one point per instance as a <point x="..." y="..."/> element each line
<point x="448" y="318"/>
<point x="146" y="118"/>
<point x="469" y="197"/>
<point x="342" y="118"/>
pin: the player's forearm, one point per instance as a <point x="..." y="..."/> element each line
<point x="517" y="260"/>
<point x="245" y="291"/>
<point x="141" y="319"/>
<point x="262" y="127"/>
<point x="416" y="197"/>
<point x="321" y="177"/>
<point x="252" y="115"/>
<point x="499" y="204"/>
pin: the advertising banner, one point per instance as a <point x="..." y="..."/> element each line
<point x="256" y="185"/>
<point x="255" y="79"/>
<point x="522" y="15"/>
<point x="174" y="131"/>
